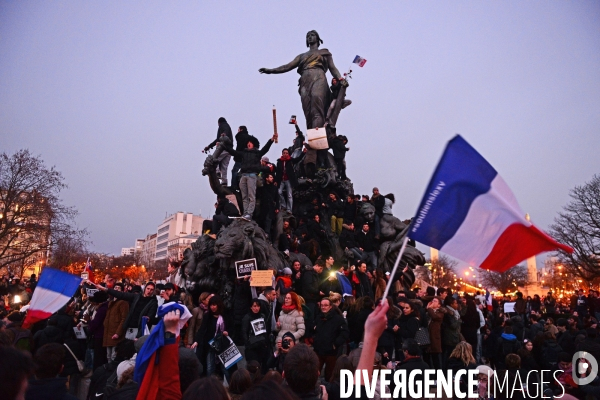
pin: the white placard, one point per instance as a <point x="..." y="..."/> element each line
<point x="258" y="326"/>
<point x="230" y="356"/>
<point x="509" y="307"/>
<point x="317" y="139"/>
<point x="79" y="333"/>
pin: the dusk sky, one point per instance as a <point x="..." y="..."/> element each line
<point x="122" y="96"/>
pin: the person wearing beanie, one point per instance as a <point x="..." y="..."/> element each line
<point x="284" y="345"/>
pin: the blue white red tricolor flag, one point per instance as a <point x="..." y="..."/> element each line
<point x="488" y="300"/>
<point x="470" y="213"/>
<point x="54" y="289"/>
<point x="88" y="269"/>
<point x="360" y="61"/>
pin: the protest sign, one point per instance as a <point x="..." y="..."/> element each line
<point x="258" y="326"/>
<point x="245" y="267"/>
<point x="79" y="332"/>
<point x="317" y="139"/>
<point x="230" y="356"/>
<point x="262" y="278"/>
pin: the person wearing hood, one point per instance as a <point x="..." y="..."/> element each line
<point x="286" y="180"/>
<point x="507" y="344"/>
<point x="250" y="167"/>
<point x="47" y="384"/>
<point x="223" y="159"/>
<point x="114" y="323"/>
<point x="241" y="138"/>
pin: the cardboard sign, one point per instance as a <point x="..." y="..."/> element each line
<point x="90" y="292"/>
<point x="317" y="139"/>
<point x="230" y="356"/>
<point x="262" y="278"/>
<point x="245" y="267"/>
<point x="258" y="326"/>
<point x="79" y="333"/>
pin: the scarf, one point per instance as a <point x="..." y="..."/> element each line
<point x="285" y="157"/>
<point x="220" y="325"/>
<point x="454" y="312"/>
<point x="156" y="339"/>
<point x="288" y="309"/>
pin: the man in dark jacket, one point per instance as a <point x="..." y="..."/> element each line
<point x="507" y="344"/>
<point x="269" y="204"/>
<point x="350" y="210"/>
<point x="366" y="247"/>
<point x="378" y="201"/>
<point x="48" y="365"/>
<point x="286" y="180"/>
<point x="347" y="238"/>
<point x="310" y="283"/>
<point x="335" y="211"/>
<point x="241" y="138"/>
<point x="330" y="334"/>
<point x="223" y="159"/>
<point x="249" y="170"/>
<point x="338" y="145"/>
<point x="140" y="305"/>
<point x="413" y="361"/>
<point x="224" y="210"/>
<point x="361" y="281"/>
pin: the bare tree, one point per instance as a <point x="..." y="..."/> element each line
<point x="439" y="272"/>
<point x="578" y="226"/>
<point x="32" y="216"/>
<point x="506" y="281"/>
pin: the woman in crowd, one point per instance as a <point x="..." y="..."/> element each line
<point x="240" y="383"/>
<point x="451" y="334"/>
<point x="462" y="358"/>
<point x="528" y="362"/>
<point x="356" y="317"/>
<point x="291" y="318"/>
<point x="436" y="316"/>
<point x="196" y="320"/>
<point x="255" y="335"/>
<point x="206" y="388"/>
<point x="409" y="321"/>
<point x="296" y="275"/>
<point x="214" y="324"/>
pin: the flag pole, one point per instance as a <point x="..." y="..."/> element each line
<point x="393" y="274"/>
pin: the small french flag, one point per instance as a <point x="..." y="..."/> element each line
<point x="360" y="61"/>
<point x="88" y="269"/>
<point x="54" y="289"/>
<point x="470" y="213"/>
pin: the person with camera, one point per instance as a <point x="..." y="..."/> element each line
<point x="284" y="345"/>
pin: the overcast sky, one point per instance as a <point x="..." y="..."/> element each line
<point x="122" y="96"/>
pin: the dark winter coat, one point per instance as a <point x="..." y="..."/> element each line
<point x="227" y="208"/>
<point x="268" y="195"/>
<point x="50" y="334"/>
<point x="435" y="329"/>
<point x="388" y="337"/>
<point x="252" y="341"/>
<point x="450" y="330"/>
<point x="366" y="241"/>
<point x="378" y="202"/>
<point x="363" y="287"/>
<point x="48" y="389"/>
<point x="289" y="171"/>
<point x="100" y="378"/>
<point x="339" y="148"/>
<point x="96" y="325"/>
<point x="335" y="208"/>
<point x="149" y="309"/>
<point x="347" y="238"/>
<point x="310" y="285"/>
<point x="241" y="138"/>
<point x="349" y="212"/>
<point x="409" y="325"/>
<point x="250" y="158"/>
<point x="223" y="128"/>
<point x="507" y="344"/>
<point x="207" y="332"/>
<point x="330" y="333"/>
<point x="356" y="324"/>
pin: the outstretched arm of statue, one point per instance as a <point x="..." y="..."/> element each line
<point x="333" y="69"/>
<point x="283" y="69"/>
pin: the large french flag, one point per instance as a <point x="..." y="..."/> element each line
<point x="470" y="213"/>
<point x="54" y="289"/>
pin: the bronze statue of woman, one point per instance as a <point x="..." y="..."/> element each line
<point x="313" y="86"/>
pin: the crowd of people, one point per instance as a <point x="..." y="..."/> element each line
<point x="307" y="329"/>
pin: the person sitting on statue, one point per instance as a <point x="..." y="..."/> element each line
<point x="241" y="138"/>
<point x="335" y="212"/>
<point x="249" y="170"/>
<point x="269" y="204"/>
<point x="286" y="180"/>
<point x="225" y="209"/>
<point x="224" y="157"/>
<point x="338" y="145"/>
<point x="336" y="85"/>
<point x="366" y="247"/>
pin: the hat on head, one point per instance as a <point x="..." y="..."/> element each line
<point x="99" y="297"/>
<point x="485" y="370"/>
<point x="287" y="271"/>
<point x="289" y="335"/>
<point x="265" y="159"/>
<point x="169" y="285"/>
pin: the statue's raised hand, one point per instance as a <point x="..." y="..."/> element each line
<point x="264" y="71"/>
